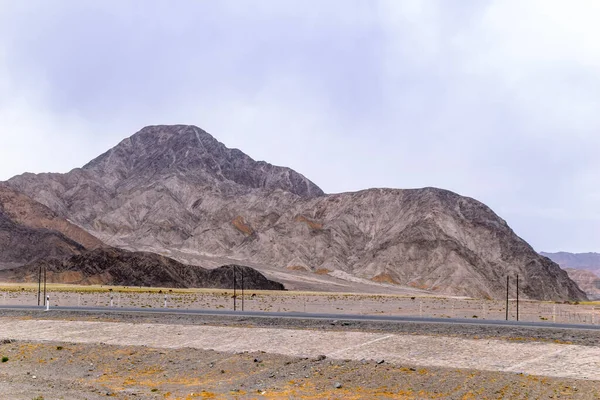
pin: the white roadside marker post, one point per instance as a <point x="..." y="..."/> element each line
<point x="78" y="299"/>
<point x="554" y="313"/>
<point x="165" y="301"/>
<point x="421" y="308"/>
<point x="48" y="303"/>
<point x="111" y="300"/>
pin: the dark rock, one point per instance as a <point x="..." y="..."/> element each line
<point x="124" y="268"/>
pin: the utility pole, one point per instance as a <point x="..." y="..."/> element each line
<point x="44" y="281"/>
<point x="39" y="283"/>
<point x="517" y="297"/>
<point x="507" y="282"/>
<point x="242" y="289"/>
<point x="234" y="288"/>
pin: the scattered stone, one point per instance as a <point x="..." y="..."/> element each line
<point x="321" y="357"/>
<point x="257" y="360"/>
<point x="379" y="362"/>
<point x="338" y="385"/>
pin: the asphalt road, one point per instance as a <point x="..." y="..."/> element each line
<point x="310" y="316"/>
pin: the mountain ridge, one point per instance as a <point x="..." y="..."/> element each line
<point x="589" y="261"/>
<point x="160" y="189"/>
<point x="116" y="267"/>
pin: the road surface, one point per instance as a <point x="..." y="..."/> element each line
<point x="309" y="316"/>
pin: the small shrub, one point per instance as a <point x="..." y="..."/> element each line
<point x="4" y="359"/>
<point x="59" y="347"/>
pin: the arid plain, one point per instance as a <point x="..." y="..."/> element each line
<point x="59" y="354"/>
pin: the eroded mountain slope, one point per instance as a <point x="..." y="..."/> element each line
<point x="30" y="230"/>
<point x="176" y="188"/>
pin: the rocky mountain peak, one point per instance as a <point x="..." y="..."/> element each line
<point x="177" y="189"/>
<point x="192" y="154"/>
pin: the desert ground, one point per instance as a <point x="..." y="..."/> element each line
<point x="71" y="355"/>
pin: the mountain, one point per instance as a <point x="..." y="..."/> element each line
<point x="588" y="281"/>
<point x="118" y="267"/>
<point x="176" y="190"/>
<point x="583" y="268"/>
<point x="30" y="231"/>
<point x="588" y="261"/>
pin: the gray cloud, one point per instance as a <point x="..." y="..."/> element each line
<point x="493" y="99"/>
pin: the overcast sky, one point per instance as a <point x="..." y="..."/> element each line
<point x="494" y="99"/>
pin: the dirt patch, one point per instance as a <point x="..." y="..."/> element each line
<point x="297" y="268"/>
<point x="315" y="226"/>
<point x="322" y="271"/>
<point x="384" y="278"/>
<point x="240" y="224"/>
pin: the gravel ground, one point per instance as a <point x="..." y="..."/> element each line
<point x="568" y="336"/>
<point x="96" y="371"/>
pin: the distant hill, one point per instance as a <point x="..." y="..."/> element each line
<point x="587" y="280"/>
<point x="583" y="268"/>
<point x="177" y="189"/>
<point x="588" y="261"/>
<point x="123" y="268"/>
